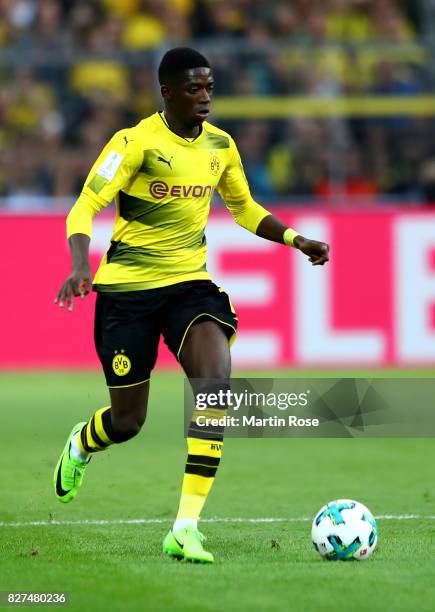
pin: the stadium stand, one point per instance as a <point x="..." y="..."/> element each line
<point x="74" y="71"/>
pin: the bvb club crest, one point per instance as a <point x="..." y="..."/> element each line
<point x="121" y="364"/>
<point x="215" y="164"/>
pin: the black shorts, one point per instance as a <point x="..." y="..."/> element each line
<point x="128" y="325"/>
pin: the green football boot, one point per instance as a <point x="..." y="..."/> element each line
<point x="187" y="544"/>
<point x="68" y="474"/>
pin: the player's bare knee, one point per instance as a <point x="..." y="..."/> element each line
<point x="128" y="417"/>
<point x="222" y="371"/>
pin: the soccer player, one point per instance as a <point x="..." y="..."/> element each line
<point x="153" y="279"/>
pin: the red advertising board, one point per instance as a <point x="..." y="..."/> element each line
<point x="373" y="305"/>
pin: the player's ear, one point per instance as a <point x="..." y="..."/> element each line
<point x="166" y="92"/>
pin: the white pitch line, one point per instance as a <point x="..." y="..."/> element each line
<point x="153" y="521"/>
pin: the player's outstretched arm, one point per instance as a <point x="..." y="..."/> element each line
<point x="271" y="228"/>
<point x="78" y="282"/>
<point x="234" y="190"/>
<point x="117" y="163"/>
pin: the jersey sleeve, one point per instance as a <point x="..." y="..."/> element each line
<point x="119" y="161"/>
<point x="234" y="190"/>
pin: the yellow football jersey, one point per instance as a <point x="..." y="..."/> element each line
<point x="162" y="184"/>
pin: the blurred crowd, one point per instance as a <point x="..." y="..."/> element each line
<point x="75" y="71"/>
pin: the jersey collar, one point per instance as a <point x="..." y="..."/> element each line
<point x="179" y="138"/>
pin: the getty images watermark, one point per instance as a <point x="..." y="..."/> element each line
<point x="310" y="407"/>
<point x="236" y="401"/>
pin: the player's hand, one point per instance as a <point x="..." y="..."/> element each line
<point x="77" y="284"/>
<point x="317" y="252"/>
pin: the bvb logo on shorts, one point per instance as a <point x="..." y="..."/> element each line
<point x="215" y="164"/>
<point x="121" y="364"/>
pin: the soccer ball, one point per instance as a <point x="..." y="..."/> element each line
<point x="344" y="529"/>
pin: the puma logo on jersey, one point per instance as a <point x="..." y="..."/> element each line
<point x="165" y="161"/>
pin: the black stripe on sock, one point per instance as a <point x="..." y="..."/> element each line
<point x="203" y="460"/>
<point x="107" y="425"/>
<point x="106" y="420"/>
<point x="85" y="445"/>
<point x="211" y="431"/>
<point x="200" y="470"/>
<point x="95" y="436"/>
<point x="204" y="435"/>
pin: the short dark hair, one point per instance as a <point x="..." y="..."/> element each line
<point x="179" y="59"/>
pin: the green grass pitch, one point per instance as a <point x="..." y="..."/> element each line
<point x="268" y="566"/>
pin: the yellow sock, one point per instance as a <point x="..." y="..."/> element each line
<point x="201" y="466"/>
<point x="97" y="434"/>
